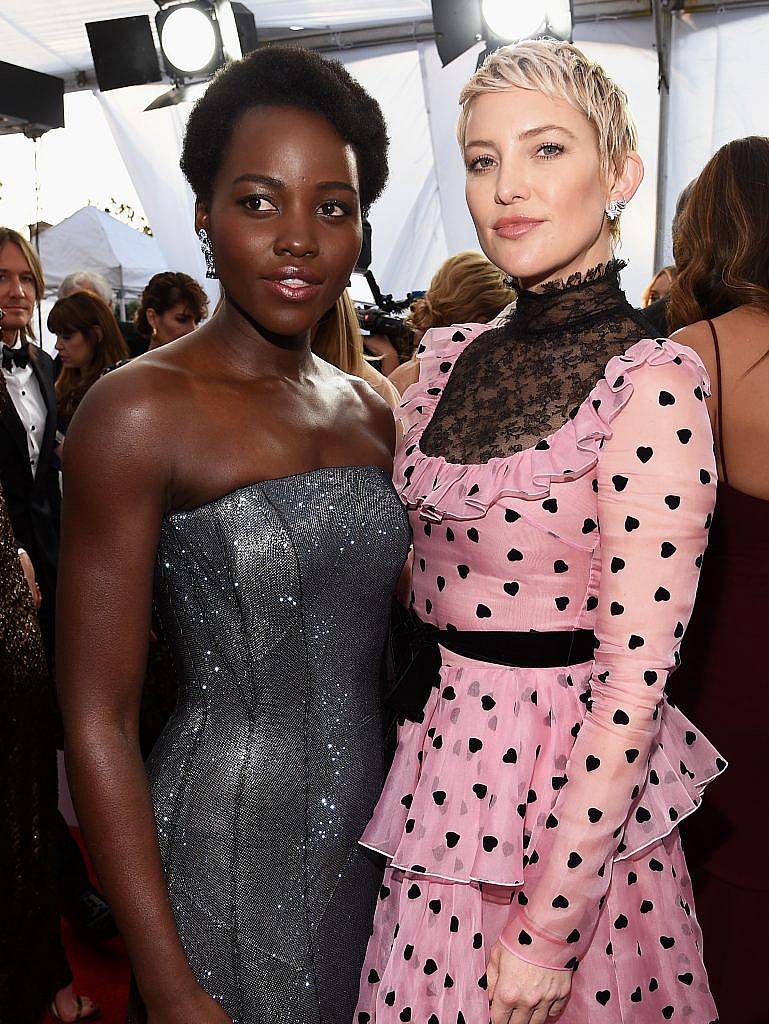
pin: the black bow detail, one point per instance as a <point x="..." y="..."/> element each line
<point x="413" y="663"/>
<point x="15" y="357"/>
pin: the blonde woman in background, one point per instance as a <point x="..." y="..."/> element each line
<point x="659" y="286"/>
<point x="338" y="340"/>
<point x="466" y="289"/>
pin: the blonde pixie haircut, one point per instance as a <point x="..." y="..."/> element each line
<point x="562" y="72"/>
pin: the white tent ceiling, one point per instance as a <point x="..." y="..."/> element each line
<point x="50" y="36"/>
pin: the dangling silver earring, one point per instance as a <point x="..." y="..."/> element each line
<point x="208" y="254"/>
<point x="615" y="208"/>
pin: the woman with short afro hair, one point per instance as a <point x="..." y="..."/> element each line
<point x="251" y="480"/>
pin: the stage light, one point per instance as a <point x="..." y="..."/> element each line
<point x="459" y="24"/>
<point x="190" y="39"/>
<point x="513" y="21"/>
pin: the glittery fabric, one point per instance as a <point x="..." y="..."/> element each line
<point x="275" y="602"/>
<point x="29" y="935"/>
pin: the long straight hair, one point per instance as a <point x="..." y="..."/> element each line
<point x="337" y="337"/>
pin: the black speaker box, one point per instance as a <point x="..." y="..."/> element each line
<point x="29" y="100"/>
<point x="123" y="52"/>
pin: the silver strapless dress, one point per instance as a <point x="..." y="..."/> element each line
<point x="275" y="601"/>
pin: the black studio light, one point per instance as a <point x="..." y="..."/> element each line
<point x="196" y="38"/>
<point x="460" y="24"/>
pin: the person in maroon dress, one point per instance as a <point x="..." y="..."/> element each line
<point x="722" y="293"/>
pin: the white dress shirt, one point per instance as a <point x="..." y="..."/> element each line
<point x="24" y="391"/>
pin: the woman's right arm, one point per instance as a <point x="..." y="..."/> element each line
<point x="117" y="475"/>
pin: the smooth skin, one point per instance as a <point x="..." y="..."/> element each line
<point x="219" y="409"/>
<point x="531" y="156"/>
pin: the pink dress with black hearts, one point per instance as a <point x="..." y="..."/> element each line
<point x="541" y="805"/>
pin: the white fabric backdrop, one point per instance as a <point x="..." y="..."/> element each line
<point x="718" y="90"/>
<point x="625" y="49"/>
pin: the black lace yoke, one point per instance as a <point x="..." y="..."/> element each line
<point x="518" y="383"/>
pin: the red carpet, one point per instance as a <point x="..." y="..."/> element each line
<point x="100" y="971"/>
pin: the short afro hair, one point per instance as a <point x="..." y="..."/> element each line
<point x="287" y="77"/>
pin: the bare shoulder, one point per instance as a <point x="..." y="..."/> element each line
<point x="383" y="387"/>
<point x="125" y="423"/>
<point x="699" y="339"/>
<point x="359" y="407"/>
<point x="743" y="337"/>
<point x="405" y="375"/>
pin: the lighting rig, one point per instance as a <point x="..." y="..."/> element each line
<point x="460" y="24"/>
<point x="195" y="38"/>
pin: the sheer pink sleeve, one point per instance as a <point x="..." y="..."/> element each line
<point x="656" y="492"/>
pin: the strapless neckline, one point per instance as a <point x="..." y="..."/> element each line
<point x="272" y="480"/>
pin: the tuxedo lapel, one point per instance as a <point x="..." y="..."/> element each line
<point x="42" y="367"/>
<point x="10" y="423"/>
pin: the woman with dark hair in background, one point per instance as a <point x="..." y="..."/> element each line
<point x="172" y="305"/>
<point x="722" y="292"/>
<point x="251" y="480"/>
<point x="88" y="339"/>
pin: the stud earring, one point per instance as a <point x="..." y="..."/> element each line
<point x="208" y="254"/>
<point x="615" y="208"/>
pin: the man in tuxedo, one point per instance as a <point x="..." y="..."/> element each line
<point x="30" y="483"/>
<point x="27" y="441"/>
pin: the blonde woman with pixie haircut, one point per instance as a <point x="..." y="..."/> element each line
<point x="467" y="288"/>
<point x="559" y="474"/>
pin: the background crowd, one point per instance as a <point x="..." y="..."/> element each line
<point x="721" y="684"/>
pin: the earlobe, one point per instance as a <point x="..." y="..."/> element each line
<point x="201" y="216"/>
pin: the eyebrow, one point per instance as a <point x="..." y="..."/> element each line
<point x="542" y="128"/>
<point x="270" y="182"/>
<point x="528" y="134"/>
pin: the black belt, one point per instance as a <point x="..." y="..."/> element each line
<point x="414" y="658"/>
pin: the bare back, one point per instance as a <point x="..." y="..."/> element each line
<point x="742" y="435"/>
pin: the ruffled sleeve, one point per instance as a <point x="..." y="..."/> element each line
<point x="656" y="493"/>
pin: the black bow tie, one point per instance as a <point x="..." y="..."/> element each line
<point x="15" y="357"/>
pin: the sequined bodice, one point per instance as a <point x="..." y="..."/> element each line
<point x="275" y="601"/>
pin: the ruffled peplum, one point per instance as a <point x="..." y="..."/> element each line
<point x="473" y="784"/>
<point x="443" y="490"/>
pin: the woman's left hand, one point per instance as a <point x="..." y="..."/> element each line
<point x="523" y="993"/>
<point x="29" y="575"/>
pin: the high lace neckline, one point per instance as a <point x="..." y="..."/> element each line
<point x="571" y="301"/>
<point x="515" y="385"/>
